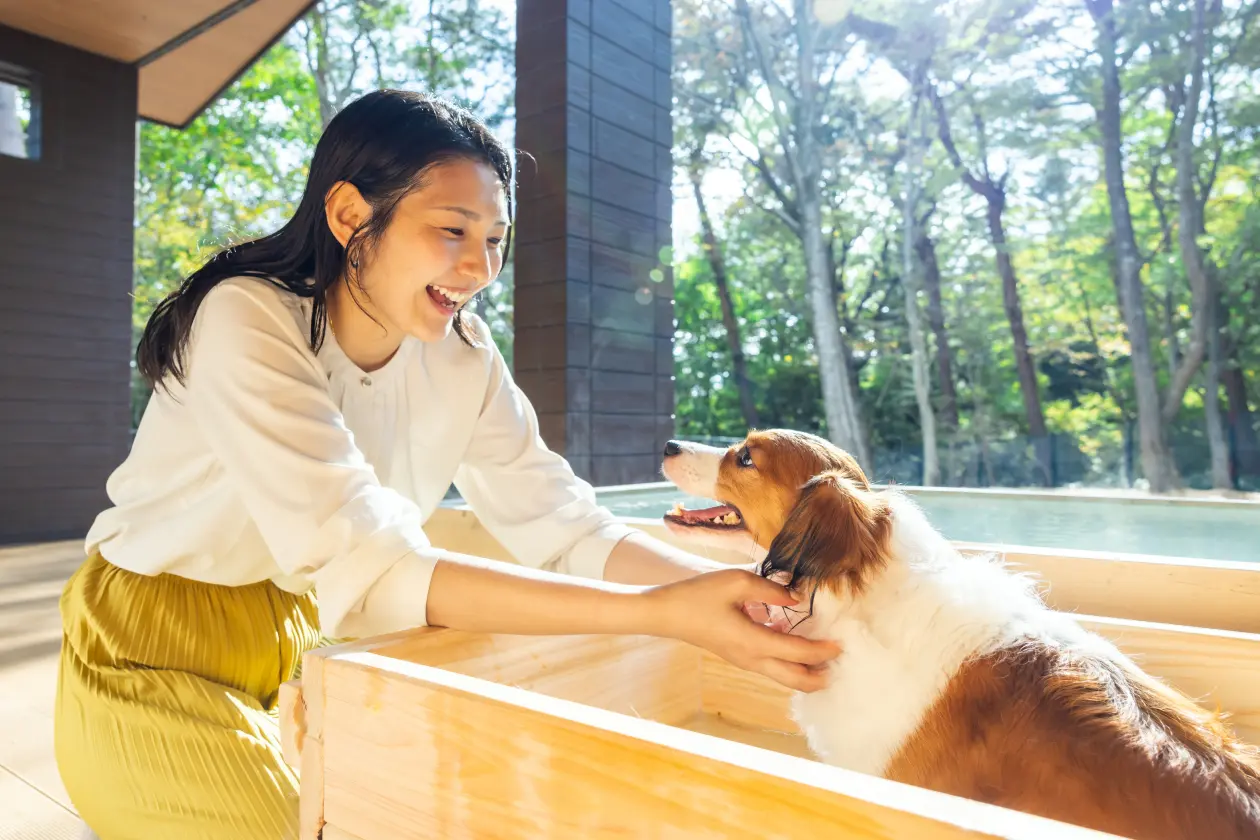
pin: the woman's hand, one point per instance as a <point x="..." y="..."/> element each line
<point x="715" y="611"/>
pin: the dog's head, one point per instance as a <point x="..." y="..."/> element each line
<point x="793" y="500"/>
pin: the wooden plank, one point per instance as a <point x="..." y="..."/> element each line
<point x="419" y="752"/>
<point x="176" y="85"/>
<point x="787" y="743"/>
<point x="1200" y="593"/>
<point x="744" y="697"/>
<point x="291" y="711"/>
<point x="331" y="832"/>
<point x="653" y="678"/>
<point x="123" y="29"/>
<point x="311" y="788"/>
<point x="1219" y="669"/>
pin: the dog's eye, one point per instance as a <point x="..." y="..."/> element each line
<point x="744" y="458"/>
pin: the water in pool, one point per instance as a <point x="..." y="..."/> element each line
<point x="1210" y="531"/>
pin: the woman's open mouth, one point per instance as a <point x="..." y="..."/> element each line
<point x="447" y="300"/>
<point x="718" y="518"/>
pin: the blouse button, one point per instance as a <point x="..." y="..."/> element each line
<point x="365" y="381"/>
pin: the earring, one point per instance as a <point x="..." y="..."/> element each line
<point x="354" y="263"/>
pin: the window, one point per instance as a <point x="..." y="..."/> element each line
<point x="19" y="114"/>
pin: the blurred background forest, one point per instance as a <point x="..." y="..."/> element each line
<point x="979" y="243"/>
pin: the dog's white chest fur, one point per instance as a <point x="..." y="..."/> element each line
<point x="874" y="702"/>
<point x="903" y="639"/>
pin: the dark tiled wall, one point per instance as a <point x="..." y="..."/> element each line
<point x="65" y="286"/>
<point x="594" y="328"/>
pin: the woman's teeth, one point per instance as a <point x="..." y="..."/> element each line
<point x="453" y="295"/>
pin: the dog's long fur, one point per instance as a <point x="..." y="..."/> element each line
<point x="954" y="674"/>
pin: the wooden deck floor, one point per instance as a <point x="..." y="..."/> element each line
<point x="35" y="803"/>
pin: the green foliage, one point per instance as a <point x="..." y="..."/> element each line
<point x="1020" y="82"/>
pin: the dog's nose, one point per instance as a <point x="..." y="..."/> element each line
<point x="673" y="448"/>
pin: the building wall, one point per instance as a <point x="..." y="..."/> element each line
<point x="594" y="294"/>
<point x="65" y="284"/>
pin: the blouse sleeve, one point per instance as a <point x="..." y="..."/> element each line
<point x="526" y="495"/>
<point x="261" y="400"/>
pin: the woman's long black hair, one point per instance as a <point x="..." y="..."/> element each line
<point x="382" y="144"/>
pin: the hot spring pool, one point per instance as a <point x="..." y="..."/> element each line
<point x="1207" y="529"/>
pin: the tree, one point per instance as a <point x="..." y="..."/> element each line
<point x="1157" y="461"/>
<point x="915" y="138"/>
<point x="1084" y="142"/>
<point x="992" y="188"/>
<point x="773" y="48"/>
<point x="713" y="250"/>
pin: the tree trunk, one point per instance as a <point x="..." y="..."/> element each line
<point x="910" y="283"/>
<point x="936" y="318"/>
<point x="844" y="426"/>
<point x="321" y="65"/>
<point x="1170" y="333"/>
<point x="994" y="193"/>
<point x="1157" y="461"/>
<point x="1241" y="421"/>
<point x="1222" y="477"/>
<point x="1190" y="225"/>
<point x="718" y="265"/>
<point x="1205" y="321"/>
<point x="1023" y="355"/>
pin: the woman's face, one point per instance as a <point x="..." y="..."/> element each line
<point x="443" y="245"/>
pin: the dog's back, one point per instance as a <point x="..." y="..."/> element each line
<point x="1085" y="738"/>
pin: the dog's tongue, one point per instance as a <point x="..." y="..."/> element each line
<point x="707" y="514"/>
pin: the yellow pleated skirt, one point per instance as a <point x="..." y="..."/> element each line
<point x="165" y="721"/>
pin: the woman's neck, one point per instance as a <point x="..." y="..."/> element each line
<point x="365" y="342"/>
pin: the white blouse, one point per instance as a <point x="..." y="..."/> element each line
<point x="273" y="462"/>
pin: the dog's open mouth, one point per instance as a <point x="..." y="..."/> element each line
<point x="719" y="518"/>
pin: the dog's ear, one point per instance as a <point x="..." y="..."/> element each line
<point x="836" y="537"/>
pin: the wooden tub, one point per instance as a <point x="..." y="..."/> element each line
<point x="442" y="734"/>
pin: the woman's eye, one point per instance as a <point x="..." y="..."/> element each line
<point x="454" y="231"/>
<point x="495" y="243"/>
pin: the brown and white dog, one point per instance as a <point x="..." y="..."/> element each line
<point x="954" y="675"/>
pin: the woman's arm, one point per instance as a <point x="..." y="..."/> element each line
<point x="706" y="610"/>
<point x="643" y="560"/>
<point x="528" y="497"/>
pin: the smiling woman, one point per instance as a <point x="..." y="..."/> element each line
<point x="316" y="393"/>
<point x="445" y="245"/>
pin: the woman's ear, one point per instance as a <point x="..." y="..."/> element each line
<point x="835" y="537"/>
<point x="346" y="210"/>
